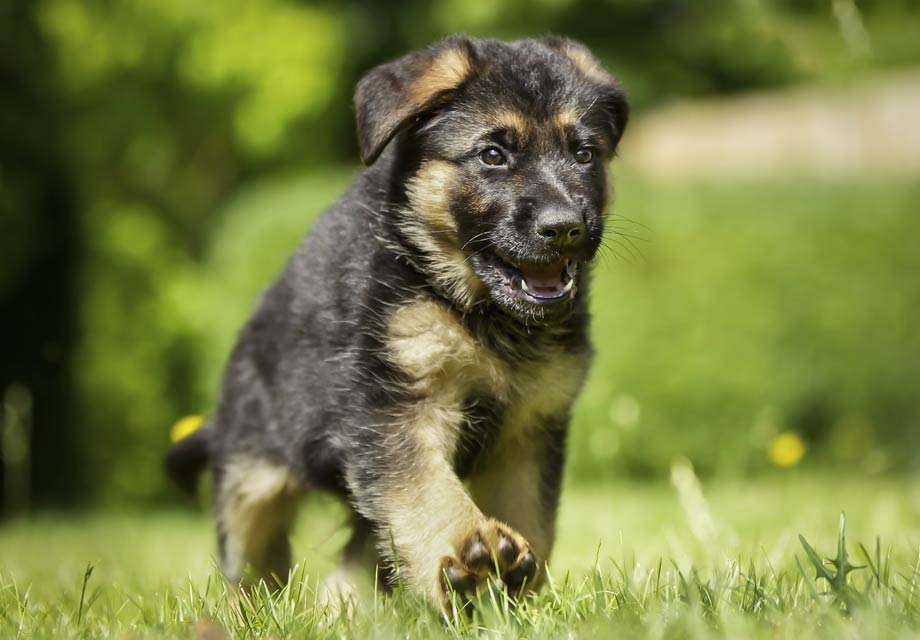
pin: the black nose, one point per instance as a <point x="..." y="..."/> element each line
<point x="560" y="227"/>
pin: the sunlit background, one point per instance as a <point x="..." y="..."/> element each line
<point x="756" y="314"/>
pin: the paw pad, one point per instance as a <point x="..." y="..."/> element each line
<point x="492" y="552"/>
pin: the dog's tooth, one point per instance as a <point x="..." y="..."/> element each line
<point x="524" y="285"/>
<point x="570" y="284"/>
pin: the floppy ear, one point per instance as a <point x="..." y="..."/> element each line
<point x="612" y="96"/>
<point x="392" y="95"/>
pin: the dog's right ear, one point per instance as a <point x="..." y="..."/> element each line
<point x="611" y="96"/>
<point x="395" y="94"/>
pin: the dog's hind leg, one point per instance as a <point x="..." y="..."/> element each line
<point x="256" y="503"/>
<point x="359" y="559"/>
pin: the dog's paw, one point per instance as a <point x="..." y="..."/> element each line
<point x="493" y="552"/>
<point x="338" y="593"/>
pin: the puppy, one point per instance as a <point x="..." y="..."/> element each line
<point x="421" y="351"/>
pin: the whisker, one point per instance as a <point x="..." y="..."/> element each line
<point x="625" y="247"/>
<point x="621" y="218"/>
<point x="473" y="239"/>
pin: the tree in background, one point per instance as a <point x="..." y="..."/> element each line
<point x="40" y="252"/>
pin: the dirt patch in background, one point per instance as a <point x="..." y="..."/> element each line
<point x="870" y="129"/>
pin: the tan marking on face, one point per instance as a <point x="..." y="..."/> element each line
<point x="513" y="121"/>
<point x="430" y="192"/>
<point x="587" y="64"/>
<point x="565" y="119"/>
<point x="430" y="226"/>
<point x="448" y="71"/>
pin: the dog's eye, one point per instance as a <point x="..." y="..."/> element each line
<point x="492" y="157"/>
<point x="584" y="155"/>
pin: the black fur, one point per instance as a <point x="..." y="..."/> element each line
<point x="312" y="386"/>
<point x="185" y="460"/>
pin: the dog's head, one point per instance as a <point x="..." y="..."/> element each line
<point x="506" y="147"/>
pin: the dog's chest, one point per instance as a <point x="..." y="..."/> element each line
<point x="490" y="395"/>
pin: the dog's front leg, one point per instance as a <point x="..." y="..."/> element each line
<point x="437" y="538"/>
<point x="519" y="482"/>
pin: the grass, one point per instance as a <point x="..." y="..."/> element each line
<point x="638" y="561"/>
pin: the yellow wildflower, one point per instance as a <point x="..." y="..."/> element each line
<point x="185" y="427"/>
<point x="787" y="449"/>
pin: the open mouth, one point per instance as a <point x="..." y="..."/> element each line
<point x="542" y="283"/>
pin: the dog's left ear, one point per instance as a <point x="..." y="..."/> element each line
<point x="395" y="94"/>
<point x="612" y="96"/>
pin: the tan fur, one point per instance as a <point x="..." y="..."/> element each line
<point x="430" y="514"/>
<point x="506" y="486"/>
<point x="542" y="388"/>
<point x="446" y="72"/>
<point x="513" y="121"/>
<point x="430" y="191"/>
<point x="338" y="593"/>
<point x="430" y="511"/>
<point x="429" y="342"/>
<point x="564" y="120"/>
<point x="431" y="227"/>
<point x="507" y="483"/>
<point x="258" y="502"/>
<point x="586" y="63"/>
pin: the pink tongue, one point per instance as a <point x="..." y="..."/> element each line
<point x="544" y="277"/>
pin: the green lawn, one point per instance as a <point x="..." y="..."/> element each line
<point x="634" y="560"/>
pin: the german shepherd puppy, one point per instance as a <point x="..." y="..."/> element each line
<point x="421" y="351"/>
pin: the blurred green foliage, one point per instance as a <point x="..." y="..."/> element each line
<point x="202" y="138"/>
<point x="740" y="311"/>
